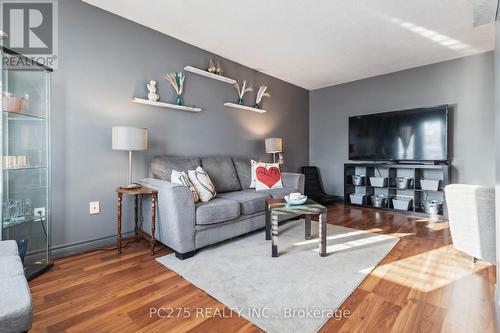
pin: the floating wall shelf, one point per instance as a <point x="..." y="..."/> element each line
<point x="208" y="74"/>
<point x="243" y="107"/>
<point x="165" y="105"/>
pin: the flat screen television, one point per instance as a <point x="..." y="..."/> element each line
<point x="408" y="135"/>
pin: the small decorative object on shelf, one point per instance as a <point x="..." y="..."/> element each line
<point x="211" y="66"/>
<point x="218" y="69"/>
<point x="261" y="93"/>
<point x="242" y="91"/>
<point x="152" y="96"/>
<point x="13" y="103"/>
<point x="176" y="80"/>
<point x="214" y="67"/>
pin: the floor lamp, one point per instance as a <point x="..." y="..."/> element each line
<point x="130" y="139"/>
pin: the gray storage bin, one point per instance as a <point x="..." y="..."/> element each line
<point x="379" y="200"/>
<point x="401" y="203"/>
<point x="429" y="184"/>
<point x="433" y="207"/>
<point x="357" y="198"/>
<point x="378" y="181"/>
<point x="403" y="183"/>
<point x="358" y="180"/>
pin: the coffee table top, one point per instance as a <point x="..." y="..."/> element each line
<point x="279" y="206"/>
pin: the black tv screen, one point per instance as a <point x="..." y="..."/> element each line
<point x="407" y="135"/>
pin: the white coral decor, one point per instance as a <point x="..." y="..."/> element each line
<point x="242" y="90"/>
<point x="262" y="93"/>
<point x="176" y="80"/>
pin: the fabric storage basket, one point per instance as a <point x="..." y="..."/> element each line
<point x="401" y="203"/>
<point x="379" y="200"/>
<point x="358" y="180"/>
<point x="378" y="181"/>
<point x="429" y="184"/>
<point x="356" y="198"/>
<point x="403" y="183"/>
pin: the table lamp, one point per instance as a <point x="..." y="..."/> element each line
<point x="129" y="138"/>
<point x="273" y="146"/>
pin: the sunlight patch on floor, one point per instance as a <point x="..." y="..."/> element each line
<point x="427" y="271"/>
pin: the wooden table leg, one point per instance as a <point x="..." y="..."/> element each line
<point x="274" y="230"/>
<point x="119" y="224"/>
<point x="136" y="227"/>
<point x="154" y="197"/>
<point x="322" y="235"/>
<point x="268" y="222"/>
<point x="308" y="227"/>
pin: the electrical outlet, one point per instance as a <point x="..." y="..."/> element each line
<point x="40" y="211"/>
<point x="94" y="207"/>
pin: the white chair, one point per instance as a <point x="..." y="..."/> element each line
<point x="471" y="215"/>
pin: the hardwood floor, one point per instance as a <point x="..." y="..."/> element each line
<point x="423" y="285"/>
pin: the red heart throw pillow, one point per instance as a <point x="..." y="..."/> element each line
<point x="268" y="177"/>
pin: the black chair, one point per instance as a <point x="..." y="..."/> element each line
<point x="313" y="187"/>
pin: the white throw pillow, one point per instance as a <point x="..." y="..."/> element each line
<point x="181" y="177"/>
<point x="267" y="176"/>
<point x="202" y="184"/>
<point x="252" y="173"/>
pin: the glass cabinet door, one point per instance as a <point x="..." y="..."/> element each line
<point x="26" y="164"/>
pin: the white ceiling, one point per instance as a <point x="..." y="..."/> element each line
<point x="318" y="43"/>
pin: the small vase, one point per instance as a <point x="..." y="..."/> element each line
<point x="240" y="101"/>
<point x="256" y="106"/>
<point x="178" y="100"/>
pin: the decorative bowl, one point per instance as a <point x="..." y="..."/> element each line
<point x="296" y="202"/>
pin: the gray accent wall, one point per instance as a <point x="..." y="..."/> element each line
<point x="105" y="60"/>
<point x="466" y="83"/>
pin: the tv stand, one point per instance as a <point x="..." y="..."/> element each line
<point x="389" y="170"/>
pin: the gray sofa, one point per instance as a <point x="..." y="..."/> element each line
<point x="15" y="297"/>
<point x="237" y="209"/>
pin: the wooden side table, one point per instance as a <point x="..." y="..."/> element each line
<point x="141" y="191"/>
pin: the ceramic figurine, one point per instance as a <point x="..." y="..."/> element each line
<point x="152" y="96"/>
<point x="211" y="66"/>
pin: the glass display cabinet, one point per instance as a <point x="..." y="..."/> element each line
<point x="25" y="192"/>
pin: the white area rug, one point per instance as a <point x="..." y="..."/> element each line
<point x="282" y="294"/>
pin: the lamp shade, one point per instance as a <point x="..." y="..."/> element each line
<point x="274" y="145"/>
<point x="129" y="138"/>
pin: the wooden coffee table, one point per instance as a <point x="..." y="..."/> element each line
<point x="278" y="210"/>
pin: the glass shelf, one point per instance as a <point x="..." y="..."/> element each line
<point x="22" y="116"/>
<point x="26" y="168"/>
<point x="25" y="219"/>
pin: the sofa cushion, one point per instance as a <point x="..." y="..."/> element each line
<point x="222" y="173"/>
<point x="243" y="169"/>
<point x="250" y="201"/>
<point x="11" y="266"/>
<point x="8" y="248"/>
<point x="277" y="193"/>
<point x="217" y="210"/>
<point x="15" y="304"/>
<point x="162" y="166"/>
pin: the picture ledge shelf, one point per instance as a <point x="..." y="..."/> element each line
<point x="243" y="107"/>
<point x="165" y="105"/>
<point x="208" y="74"/>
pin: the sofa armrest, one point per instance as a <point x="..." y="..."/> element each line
<point x="293" y="181"/>
<point x="175" y="219"/>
